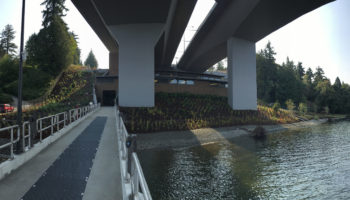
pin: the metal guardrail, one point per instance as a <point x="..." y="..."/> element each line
<point x="54" y="123"/>
<point x="12" y="140"/>
<point x="134" y="184"/>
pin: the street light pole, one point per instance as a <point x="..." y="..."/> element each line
<point x="20" y="71"/>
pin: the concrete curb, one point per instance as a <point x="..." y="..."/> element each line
<point x="8" y="166"/>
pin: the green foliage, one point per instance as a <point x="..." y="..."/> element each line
<point x="75" y="51"/>
<point x="289" y="81"/>
<point x="91" y="60"/>
<point x="5" y="98"/>
<point x="8" y="70"/>
<point x="53" y="9"/>
<point x="220" y="66"/>
<point x="52" y="49"/>
<point x="276" y="106"/>
<point x="290" y="104"/>
<point x="6" y="38"/>
<point x="302" y="108"/>
<point x="35" y="81"/>
<point x="187" y="111"/>
<point x="326" y="109"/>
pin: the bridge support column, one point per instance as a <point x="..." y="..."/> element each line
<point x="113" y="63"/>
<point x="242" y="88"/>
<point x="136" y="63"/>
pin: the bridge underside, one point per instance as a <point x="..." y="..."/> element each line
<point x="145" y="35"/>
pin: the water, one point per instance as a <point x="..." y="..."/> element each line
<point x="312" y="163"/>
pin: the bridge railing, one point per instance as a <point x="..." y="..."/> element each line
<point x="134" y="184"/>
<point x="13" y="141"/>
<point x="46" y="125"/>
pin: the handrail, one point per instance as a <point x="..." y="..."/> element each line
<point x="26" y="126"/>
<point x="12" y="142"/>
<point x="134" y="184"/>
<point x="52" y="122"/>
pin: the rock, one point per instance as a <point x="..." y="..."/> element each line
<point x="259" y="133"/>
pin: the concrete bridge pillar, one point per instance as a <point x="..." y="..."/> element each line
<point x="242" y="88"/>
<point x="136" y="63"/>
<point x="113" y="63"/>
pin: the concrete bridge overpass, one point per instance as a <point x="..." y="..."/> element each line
<point x="143" y="36"/>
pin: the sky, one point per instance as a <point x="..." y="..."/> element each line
<point x="319" y="38"/>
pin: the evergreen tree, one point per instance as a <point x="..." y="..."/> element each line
<point x="319" y="75"/>
<point x="266" y="74"/>
<point x="269" y="53"/>
<point x="7" y="36"/>
<point x="310" y="75"/>
<point x="53" y="9"/>
<point x="300" y="71"/>
<point x="220" y="66"/>
<point x="53" y="48"/>
<point x="2" y="51"/>
<point x="91" y="60"/>
<point x="337" y="84"/>
<point x="75" y="49"/>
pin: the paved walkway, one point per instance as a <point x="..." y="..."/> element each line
<point x="84" y="164"/>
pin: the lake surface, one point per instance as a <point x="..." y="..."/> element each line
<point x="312" y="163"/>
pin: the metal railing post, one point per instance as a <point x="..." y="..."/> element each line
<point x="41" y="130"/>
<point x="52" y="124"/>
<point x="11" y="153"/>
<point x="58" y="122"/>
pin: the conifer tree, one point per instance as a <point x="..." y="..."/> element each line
<point x="6" y="44"/>
<point x="91" y="60"/>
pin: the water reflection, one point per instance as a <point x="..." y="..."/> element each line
<point x="310" y="164"/>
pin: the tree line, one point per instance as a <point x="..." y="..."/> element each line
<point x="48" y="53"/>
<point x="293" y="87"/>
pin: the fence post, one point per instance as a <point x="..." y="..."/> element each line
<point x="33" y="129"/>
<point x="11" y="156"/>
<point x="41" y="130"/>
<point x="65" y="118"/>
<point x="131" y="148"/>
<point x="52" y="124"/>
<point x="58" y="122"/>
<point x="135" y="180"/>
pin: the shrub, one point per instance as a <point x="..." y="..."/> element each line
<point x="302" y="108"/>
<point x="276" y="106"/>
<point x="326" y="109"/>
<point x="5" y="98"/>
<point x="290" y="104"/>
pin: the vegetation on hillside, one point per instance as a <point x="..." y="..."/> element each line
<point x="188" y="111"/>
<point x="49" y="52"/>
<point x="73" y="89"/>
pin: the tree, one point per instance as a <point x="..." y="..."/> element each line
<point x="266" y="74"/>
<point x="53" y="9"/>
<point x="91" y="60"/>
<point x="290" y="104"/>
<point x="75" y="49"/>
<point x="319" y="75"/>
<point x="302" y="108"/>
<point x="51" y="49"/>
<point x="269" y="53"/>
<point x="2" y="52"/>
<point x="300" y="71"/>
<point x="337" y="84"/>
<point x="7" y="36"/>
<point x="220" y="66"/>
<point x="310" y="75"/>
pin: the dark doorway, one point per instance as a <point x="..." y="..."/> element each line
<point x="108" y="97"/>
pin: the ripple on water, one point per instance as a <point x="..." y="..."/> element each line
<point x="313" y="163"/>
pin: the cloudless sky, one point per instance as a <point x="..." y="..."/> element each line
<point x="319" y="38"/>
